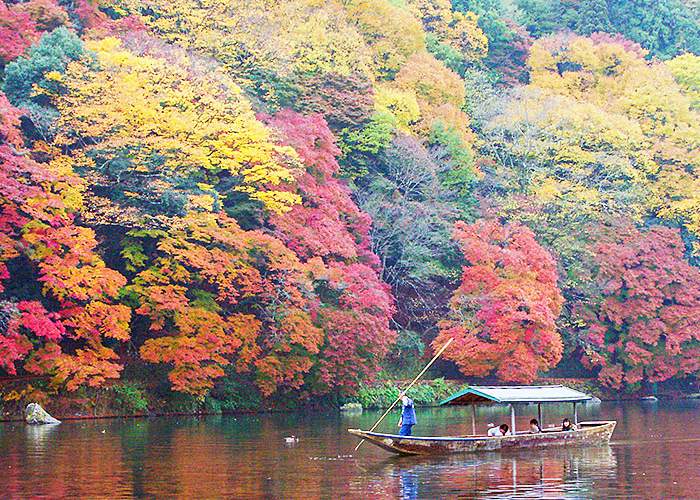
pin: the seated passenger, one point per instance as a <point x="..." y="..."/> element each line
<point x="566" y="425"/>
<point x="493" y="430"/>
<point x="535" y="426"/>
<point x="504" y="430"/>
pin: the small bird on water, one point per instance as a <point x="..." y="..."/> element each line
<point x="291" y="439"/>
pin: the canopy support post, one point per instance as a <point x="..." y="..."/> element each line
<point x="512" y="419"/>
<point x="575" y="414"/>
<point x="473" y="420"/>
<point x="539" y="415"/>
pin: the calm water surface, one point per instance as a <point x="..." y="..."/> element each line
<point x="654" y="454"/>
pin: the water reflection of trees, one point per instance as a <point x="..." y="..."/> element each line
<point x="555" y="474"/>
<point x="62" y="461"/>
<point x="184" y="459"/>
<point x="657" y="449"/>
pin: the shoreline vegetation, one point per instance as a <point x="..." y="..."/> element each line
<point x="131" y="399"/>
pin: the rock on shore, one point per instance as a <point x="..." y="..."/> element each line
<point x="35" y="414"/>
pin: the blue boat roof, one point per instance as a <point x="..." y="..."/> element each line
<point x="509" y="394"/>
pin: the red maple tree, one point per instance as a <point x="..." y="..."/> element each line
<point x="645" y="324"/>
<point x="330" y="235"/>
<point x="503" y="315"/>
<point x="17" y="32"/>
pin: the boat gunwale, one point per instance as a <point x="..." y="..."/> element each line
<point x="589" y="426"/>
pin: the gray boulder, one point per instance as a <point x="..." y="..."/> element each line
<point x="35" y="414"/>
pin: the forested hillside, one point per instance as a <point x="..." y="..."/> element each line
<point x="289" y="196"/>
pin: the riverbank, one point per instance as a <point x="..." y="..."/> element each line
<point x="131" y="398"/>
<point x="134" y="399"/>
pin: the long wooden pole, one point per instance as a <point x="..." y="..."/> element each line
<point x="407" y="388"/>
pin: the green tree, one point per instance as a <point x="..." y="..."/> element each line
<point x="593" y="16"/>
<point x="665" y="28"/>
<point x="32" y="81"/>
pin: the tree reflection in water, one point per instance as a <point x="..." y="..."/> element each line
<point x="544" y="474"/>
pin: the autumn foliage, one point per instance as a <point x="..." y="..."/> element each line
<point x="503" y="316"/>
<point x="204" y="293"/>
<point x="331" y="235"/>
<point x="74" y="296"/>
<point x="269" y="194"/>
<point x="644" y="327"/>
<point x="17" y="32"/>
<point x="213" y="294"/>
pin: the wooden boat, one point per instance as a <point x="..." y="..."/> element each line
<point x="588" y="433"/>
<point x="585" y="433"/>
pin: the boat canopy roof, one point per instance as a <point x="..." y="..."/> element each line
<point x="516" y="394"/>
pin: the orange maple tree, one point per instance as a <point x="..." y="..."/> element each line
<point x="215" y="295"/>
<point x="71" y="318"/>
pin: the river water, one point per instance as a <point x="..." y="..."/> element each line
<point x="654" y="454"/>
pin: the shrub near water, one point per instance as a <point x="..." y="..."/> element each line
<point x="383" y="394"/>
<point x="129" y="397"/>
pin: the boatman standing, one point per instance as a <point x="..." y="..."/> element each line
<point x="408" y="415"/>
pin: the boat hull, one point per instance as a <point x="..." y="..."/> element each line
<point x="589" y="433"/>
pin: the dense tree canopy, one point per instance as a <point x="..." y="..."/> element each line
<point x="666" y="28"/>
<point x="270" y="194"/>
<point x="643" y="326"/>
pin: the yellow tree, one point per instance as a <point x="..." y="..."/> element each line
<point x="393" y="33"/>
<point x="646" y="108"/>
<point x="255" y="38"/>
<point x="399" y="106"/>
<point x="440" y="95"/>
<point x="463" y="32"/>
<point x="169" y="134"/>
<point x="686" y="71"/>
<point x="460" y="30"/>
<point x="431" y="80"/>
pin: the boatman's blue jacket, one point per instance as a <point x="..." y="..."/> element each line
<point x="408" y="413"/>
